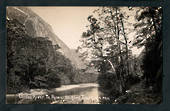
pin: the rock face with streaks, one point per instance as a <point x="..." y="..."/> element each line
<point x="37" y="27"/>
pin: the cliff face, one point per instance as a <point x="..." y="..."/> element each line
<point x="37" y="27"/>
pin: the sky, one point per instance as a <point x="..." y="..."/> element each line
<point x="68" y="23"/>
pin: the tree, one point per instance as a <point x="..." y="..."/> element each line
<point x="107" y="44"/>
<point x="149" y="34"/>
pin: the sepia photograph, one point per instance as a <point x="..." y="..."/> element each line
<point x="84" y="55"/>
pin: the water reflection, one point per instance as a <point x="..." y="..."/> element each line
<point x="86" y="94"/>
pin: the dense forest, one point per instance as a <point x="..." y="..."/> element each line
<point x="33" y="62"/>
<point x="108" y="44"/>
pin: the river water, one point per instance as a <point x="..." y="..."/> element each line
<point x="66" y="94"/>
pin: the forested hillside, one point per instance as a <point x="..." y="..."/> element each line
<point x="33" y="62"/>
<point x="35" y="26"/>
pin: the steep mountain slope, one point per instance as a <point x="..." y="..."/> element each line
<point x="37" y="27"/>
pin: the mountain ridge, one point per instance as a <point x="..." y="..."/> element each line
<point x="37" y="27"/>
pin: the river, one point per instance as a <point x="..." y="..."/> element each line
<point x="66" y="94"/>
